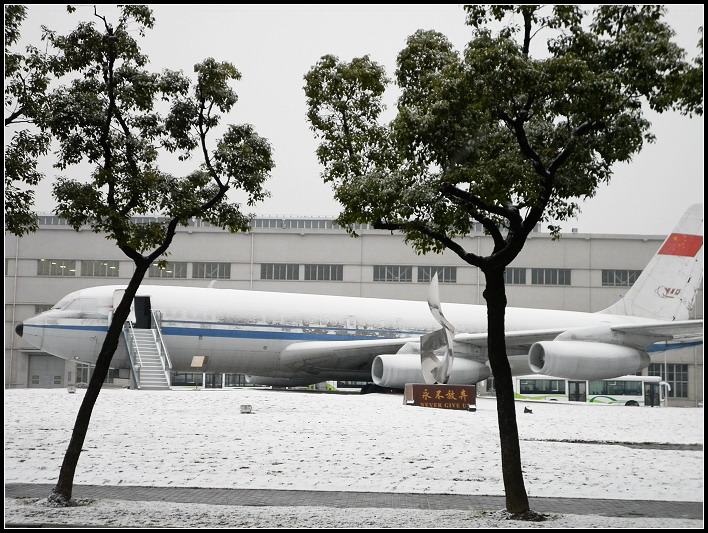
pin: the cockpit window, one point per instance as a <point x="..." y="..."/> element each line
<point x="73" y="305"/>
<point x="66" y="301"/>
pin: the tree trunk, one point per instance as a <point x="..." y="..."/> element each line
<point x="495" y="295"/>
<point x="61" y="493"/>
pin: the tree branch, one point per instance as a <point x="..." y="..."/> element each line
<point x="449" y="243"/>
<point x="205" y="153"/>
<point x="10" y="119"/>
<point x="104" y="140"/>
<point x="474" y="204"/>
<point x="450" y="191"/>
<point x="517" y="125"/>
<point x="568" y="150"/>
<point x="169" y="235"/>
<point x="527" y="12"/>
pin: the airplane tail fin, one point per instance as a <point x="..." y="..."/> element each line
<point x="666" y="289"/>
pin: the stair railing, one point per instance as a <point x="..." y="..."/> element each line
<point x="133" y="351"/>
<point x="161" y="346"/>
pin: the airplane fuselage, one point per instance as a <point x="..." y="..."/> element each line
<point x="287" y="337"/>
<point x="245" y="331"/>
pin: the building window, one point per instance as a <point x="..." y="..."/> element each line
<point x="83" y="372"/>
<point x="361" y="226"/>
<point x="280" y="271"/>
<point x="322" y="224"/>
<point x="186" y="378"/>
<point x="149" y="220"/>
<point x="292" y="223"/>
<point x="100" y="269"/>
<point x="394" y="273"/>
<point x="676" y="376"/>
<point x="619" y="278"/>
<point x="211" y="270"/>
<point x="236" y="380"/>
<point x="268" y="223"/>
<point x="199" y="223"/>
<point x="445" y="274"/>
<point x="171" y="270"/>
<point x="490" y="384"/>
<point x="550" y="276"/>
<point x="324" y="272"/>
<point x="50" y="220"/>
<point x="41" y="308"/>
<point x="515" y="276"/>
<point x="56" y="267"/>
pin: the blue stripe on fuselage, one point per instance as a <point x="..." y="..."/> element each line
<point x="340" y="335"/>
<point x="661" y="347"/>
<point x="328" y="329"/>
<point x="278" y="335"/>
<point x="64" y="326"/>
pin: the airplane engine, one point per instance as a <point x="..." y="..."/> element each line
<point x="395" y="370"/>
<point x="585" y="360"/>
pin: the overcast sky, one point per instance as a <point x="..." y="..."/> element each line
<point x="273" y="46"/>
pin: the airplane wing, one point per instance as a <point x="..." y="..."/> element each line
<point x="359" y="354"/>
<point x="318" y="356"/>
<point x="680" y="331"/>
<point x="341" y="355"/>
<point x="324" y="356"/>
<point x="514" y="339"/>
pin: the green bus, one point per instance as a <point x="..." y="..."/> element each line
<point x="648" y="391"/>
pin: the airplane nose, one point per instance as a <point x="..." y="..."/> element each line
<point x="19" y="328"/>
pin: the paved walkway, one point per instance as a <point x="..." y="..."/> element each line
<point x="286" y="498"/>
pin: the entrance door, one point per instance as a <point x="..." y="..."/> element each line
<point x="651" y="394"/>
<point x="45" y="372"/>
<point x="142" y="312"/>
<point x="577" y="391"/>
<point x="213" y="381"/>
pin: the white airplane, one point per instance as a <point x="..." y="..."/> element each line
<point x="285" y="339"/>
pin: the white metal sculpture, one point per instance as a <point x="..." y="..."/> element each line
<point x="435" y="369"/>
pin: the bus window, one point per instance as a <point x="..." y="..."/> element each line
<point x="596" y="387"/>
<point x="542" y="386"/>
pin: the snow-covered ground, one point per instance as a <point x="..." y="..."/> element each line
<point x="315" y="441"/>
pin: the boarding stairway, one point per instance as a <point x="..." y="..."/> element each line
<point x="149" y="360"/>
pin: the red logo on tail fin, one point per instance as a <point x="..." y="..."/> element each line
<point x="683" y="245"/>
<point x="667" y="292"/>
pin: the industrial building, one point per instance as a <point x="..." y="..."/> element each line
<point x="578" y="272"/>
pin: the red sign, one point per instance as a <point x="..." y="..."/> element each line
<point x="441" y="396"/>
<point x="681" y="244"/>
